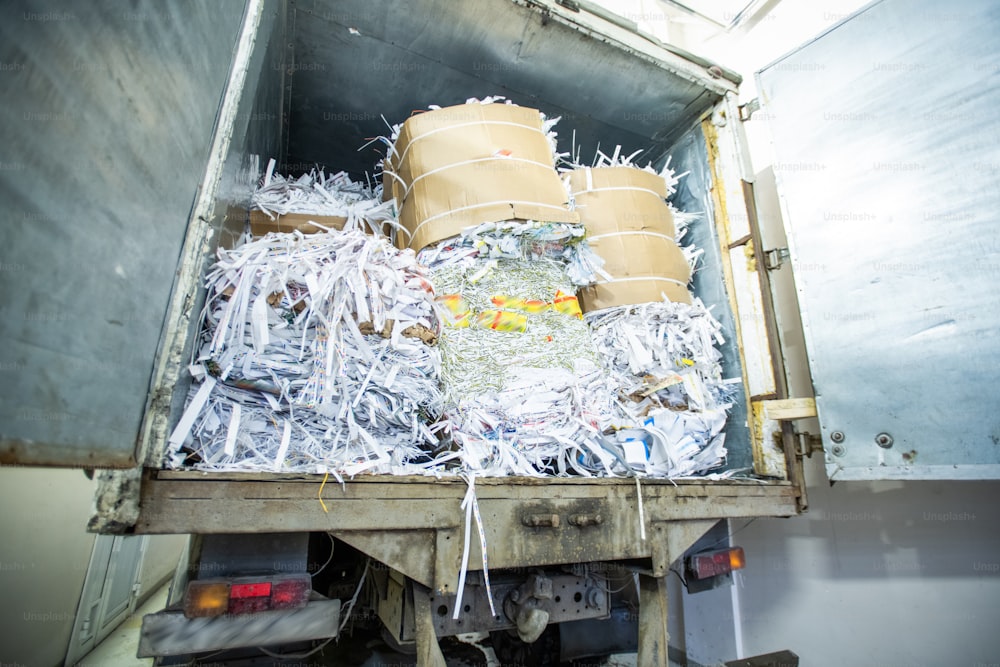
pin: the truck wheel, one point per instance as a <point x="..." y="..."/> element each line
<point x="543" y="652"/>
<point x="409" y="648"/>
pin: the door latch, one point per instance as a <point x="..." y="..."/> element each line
<point x="774" y="258"/>
<point x="749" y="109"/>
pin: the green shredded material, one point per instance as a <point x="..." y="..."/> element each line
<point x="475" y="360"/>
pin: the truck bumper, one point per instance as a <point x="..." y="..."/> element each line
<point x="169" y="633"/>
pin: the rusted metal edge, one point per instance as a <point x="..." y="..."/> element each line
<point x="240" y="507"/>
<point x="199" y="476"/>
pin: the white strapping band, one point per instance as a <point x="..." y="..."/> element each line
<point x="634" y="233"/>
<point x="393" y="174"/>
<point x="469" y="124"/>
<point x="636" y="278"/>
<point x="623" y="187"/>
<point x="642" y="514"/>
<point x="471" y="506"/>
<point x="505" y="202"/>
<point x="476" y="161"/>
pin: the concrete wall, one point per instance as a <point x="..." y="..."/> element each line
<point x="44" y="555"/>
<point x="878" y="574"/>
<point x="162" y="553"/>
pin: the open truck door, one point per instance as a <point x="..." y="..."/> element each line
<point x="887" y="163"/>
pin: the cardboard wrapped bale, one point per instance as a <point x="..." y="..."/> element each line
<point x="630" y="226"/>
<point x="621" y="199"/>
<point x="465" y="165"/>
<point x="644" y="268"/>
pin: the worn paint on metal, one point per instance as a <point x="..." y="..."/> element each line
<point x="720" y="209"/>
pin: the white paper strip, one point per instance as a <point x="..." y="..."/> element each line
<point x="183" y="428"/>
<point x="234" y="430"/>
<point x="286" y="438"/>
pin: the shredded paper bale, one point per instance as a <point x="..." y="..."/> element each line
<point x="336" y="352"/>
<point x="316" y="202"/>
<point x="524" y="389"/>
<point x="529" y="240"/>
<point x="323" y="343"/>
<point x="631" y="227"/>
<point x="664" y="359"/>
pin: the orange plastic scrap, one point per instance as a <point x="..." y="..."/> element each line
<point x="567" y="304"/>
<point x="458" y="312"/>
<point x="530" y="306"/>
<point x="502" y="320"/>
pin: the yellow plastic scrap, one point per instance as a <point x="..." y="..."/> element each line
<point x="530" y="306"/>
<point x="511" y="313"/>
<point x="502" y="320"/>
<point x="567" y="304"/>
<point x="458" y="311"/>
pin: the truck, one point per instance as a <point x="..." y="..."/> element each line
<point x="137" y="137"/>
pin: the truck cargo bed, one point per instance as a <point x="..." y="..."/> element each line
<point x="416" y="524"/>
<point x="303" y="90"/>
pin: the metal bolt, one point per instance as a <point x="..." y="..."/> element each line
<point x="883" y="440"/>
<point x="837" y="436"/>
<point x="838" y="450"/>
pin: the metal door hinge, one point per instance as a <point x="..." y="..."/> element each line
<point x="808" y="444"/>
<point x="571" y="5"/>
<point x="749" y="109"/>
<point x="774" y="258"/>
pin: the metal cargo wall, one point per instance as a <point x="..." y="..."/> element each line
<point x="106" y="124"/>
<point x="107" y="116"/>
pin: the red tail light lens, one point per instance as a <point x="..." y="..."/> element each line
<point x="714" y="563"/>
<point x="291" y="593"/>
<point x="240" y="596"/>
<point x="255" y="590"/>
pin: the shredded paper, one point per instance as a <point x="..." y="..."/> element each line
<point x="321" y="350"/>
<point x="664" y="360"/>
<point x="322" y="195"/>
<point x="336" y="352"/>
<point x="524" y="391"/>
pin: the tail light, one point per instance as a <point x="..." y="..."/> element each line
<point x="206" y="598"/>
<point x="713" y="563"/>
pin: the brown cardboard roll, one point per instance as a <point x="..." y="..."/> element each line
<point x="461" y="166"/>
<point x="644" y="267"/>
<point x="443" y="203"/>
<point x="613" y="199"/>
<point x="606" y="295"/>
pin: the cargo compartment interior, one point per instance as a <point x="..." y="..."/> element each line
<point x="327" y="76"/>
